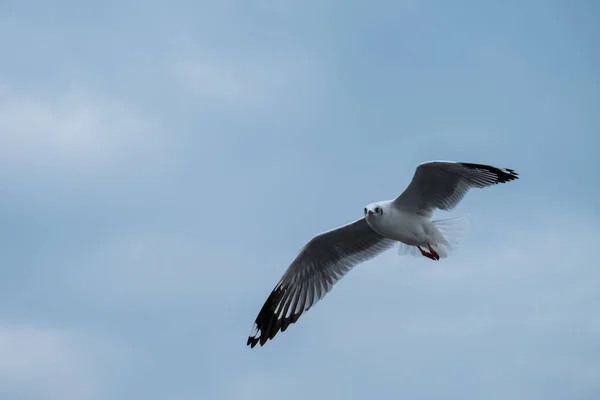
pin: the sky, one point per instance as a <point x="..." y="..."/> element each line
<point x="162" y="163"/>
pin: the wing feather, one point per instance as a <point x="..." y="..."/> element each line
<point x="443" y="184"/>
<point x="319" y="265"/>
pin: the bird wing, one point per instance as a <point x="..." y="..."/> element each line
<point x="443" y="184"/>
<point x="319" y="265"/>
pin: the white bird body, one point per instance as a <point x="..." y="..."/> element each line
<point x="396" y="224"/>
<point x="410" y="229"/>
<point x="404" y="221"/>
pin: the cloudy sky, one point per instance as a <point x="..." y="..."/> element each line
<point x="161" y="163"/>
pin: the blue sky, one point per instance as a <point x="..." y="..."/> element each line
<point x="161" y="163"/>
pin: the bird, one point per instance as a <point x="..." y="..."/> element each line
<point x="404" y="221"/>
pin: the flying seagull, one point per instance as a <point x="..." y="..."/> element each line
<point x="406" y="221"/>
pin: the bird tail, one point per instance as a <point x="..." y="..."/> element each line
<point x="448" y="234"/>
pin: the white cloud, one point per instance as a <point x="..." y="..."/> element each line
<point x="50" y="363"/>
<point x="244" y="81"/>
<point x="156" y="270"/>
<point x="76" y="128"/>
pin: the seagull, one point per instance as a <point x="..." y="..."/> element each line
<point x="406" y="221"/>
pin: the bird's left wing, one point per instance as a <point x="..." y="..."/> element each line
<point x="443" y="184"/>
<point x="319" y="265"/>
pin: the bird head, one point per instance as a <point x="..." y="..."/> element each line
<point x="373" y="210"/>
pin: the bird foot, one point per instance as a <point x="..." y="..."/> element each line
<point x="432" y="254"/>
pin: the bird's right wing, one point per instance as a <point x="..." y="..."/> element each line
<point x="443" y="184"/>
<point x="319" y="265"/>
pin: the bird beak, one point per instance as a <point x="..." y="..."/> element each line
<point x="370" y="212"/>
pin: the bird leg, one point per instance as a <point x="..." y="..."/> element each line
<point x="428" y="255"/>
<point x="434" y="253"/>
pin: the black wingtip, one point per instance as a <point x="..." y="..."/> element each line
<point x="267" y="323"/>
<point x="503" y="175"/>
<point x="251" y="342"/>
